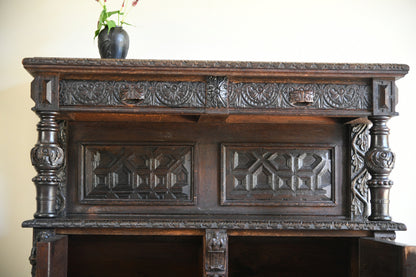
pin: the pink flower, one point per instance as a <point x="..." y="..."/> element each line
<point x="135" y="3"/>
<point x="122" y="5"/>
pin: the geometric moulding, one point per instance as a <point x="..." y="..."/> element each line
<point x="277" y="175"/>
<point x="138" y="174"/>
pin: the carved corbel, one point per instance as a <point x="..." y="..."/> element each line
<point x="216" y="253"/>
<point x="47" y="158"/>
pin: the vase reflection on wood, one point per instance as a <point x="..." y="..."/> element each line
<point x="113" y="44"/>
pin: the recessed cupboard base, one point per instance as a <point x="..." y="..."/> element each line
<point x="214" y="169"/>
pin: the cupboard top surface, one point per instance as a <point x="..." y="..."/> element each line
<point x="229" y="68"/>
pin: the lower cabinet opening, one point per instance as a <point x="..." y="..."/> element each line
<point x="141" y="256"/>
<point x="271" y="256"/>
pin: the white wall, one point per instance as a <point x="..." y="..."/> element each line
<point x="267" y="30"/>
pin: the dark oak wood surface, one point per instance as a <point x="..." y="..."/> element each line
<point x="211" y="168"/>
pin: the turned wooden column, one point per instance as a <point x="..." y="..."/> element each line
<point x="47" y="158"/>
<point x="379" y="161"/>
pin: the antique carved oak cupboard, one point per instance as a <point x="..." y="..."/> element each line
<point x="195" y="168"/>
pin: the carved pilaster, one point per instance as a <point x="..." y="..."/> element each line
<point x="216" y="253"/>
<point x="379" y="161"/>
<point x="38" y="235"/>
<point x="47" y="158"/>
<point x="360" y="142"/>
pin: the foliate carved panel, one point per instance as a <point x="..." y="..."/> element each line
<point x="277" y="175"/>
<point x="216" y="253"/>
<point x="61" y="191"/>
<point x="124" y="93"/>
<point x="318" y="96"/>
<point x="360" y="143"/>
<point x="139" y="174"/>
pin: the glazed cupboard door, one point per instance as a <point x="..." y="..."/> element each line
<point x="52" y="257"/>
<point x="386" y="259"/>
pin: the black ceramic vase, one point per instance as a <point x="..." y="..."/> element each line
<point x="113" y="44"/>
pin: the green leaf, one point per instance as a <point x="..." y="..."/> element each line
<point x="124" y="22"/>
<point x="103" y="16"/>
<point x="97" y="32"/>
<point x="113" y="12"/>
<point x="111" y="24"/>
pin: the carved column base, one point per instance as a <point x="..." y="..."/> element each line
<point x="380" y="201"/>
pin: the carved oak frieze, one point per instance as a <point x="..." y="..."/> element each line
<point x="281" y="95"/>
<point x="139" y="174"/>
<point x="121" y="93"/>
<point x="216" y="92"/>
<point x="273" y="175"/>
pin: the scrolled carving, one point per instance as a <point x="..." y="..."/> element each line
<point x="359" y="174"/>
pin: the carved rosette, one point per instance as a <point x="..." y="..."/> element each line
<point x="379" y="161"/>
<point x="217" y="92"/>
<point x="47" y="158"/>
<point x="360" y="202"/>
<point x="216" y="253"/>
